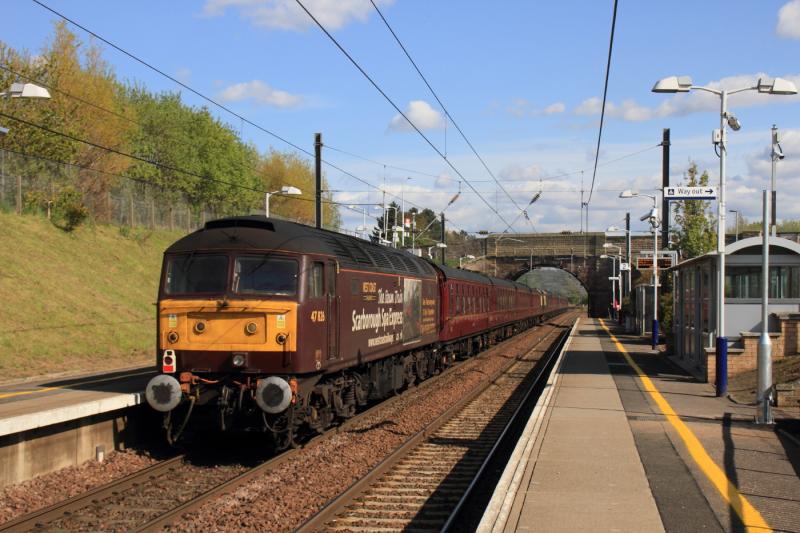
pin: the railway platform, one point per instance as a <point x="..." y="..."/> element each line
<point x="624" y="440"/>
<point x="49" y="424"/>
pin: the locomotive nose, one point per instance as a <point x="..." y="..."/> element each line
<point x="163" y="393"/>
<point x="273" y="395"/>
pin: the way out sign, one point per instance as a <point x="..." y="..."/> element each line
<point x="690" y="193"/>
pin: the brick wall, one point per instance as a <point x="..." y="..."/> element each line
<point x="744" y="358"/>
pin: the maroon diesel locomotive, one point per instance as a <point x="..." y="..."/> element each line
<point x="267" y="325"/>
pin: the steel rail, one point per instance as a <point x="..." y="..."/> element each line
<point x="534" y="387"/>
<point x="85" y="499"/>
<point x="334" y="507"/>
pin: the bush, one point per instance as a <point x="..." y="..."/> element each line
<point x="68" y="210"/>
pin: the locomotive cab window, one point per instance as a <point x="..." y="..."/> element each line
<point x="262" y="274"/>
<point x="196" y="274"/>
<point x="315" y="280"/>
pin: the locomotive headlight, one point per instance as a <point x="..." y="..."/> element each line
<point x="251" y="328"/>
<point x="239" y="360"/>
<point x="199" y="327"/>
<point x="172" y="337"/>
<point x="280" y="338"/>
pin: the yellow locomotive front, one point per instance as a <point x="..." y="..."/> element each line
<point x="227" y="312"/>
<point x="227" y="334"/>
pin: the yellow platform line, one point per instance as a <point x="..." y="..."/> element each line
<point x="749" y="515"/>
<point x="47" y="389"/>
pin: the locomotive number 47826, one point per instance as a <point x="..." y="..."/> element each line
<point x="318" y="316"/>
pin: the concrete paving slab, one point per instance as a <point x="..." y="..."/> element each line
<point x="587" y="474"/>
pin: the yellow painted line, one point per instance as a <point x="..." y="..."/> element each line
<point x="79" y="383"/>
<point x="749" y="515"/>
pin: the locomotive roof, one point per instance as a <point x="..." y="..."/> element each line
<point x="258" y="233"/>
<point x="477" y="277"/>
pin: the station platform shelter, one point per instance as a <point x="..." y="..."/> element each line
<point x="694" y="313"/>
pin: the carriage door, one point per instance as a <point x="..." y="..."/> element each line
<point x="332" y="310"/>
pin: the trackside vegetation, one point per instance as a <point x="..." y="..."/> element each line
<point x="76" y="301"/>
<point x="116" y="133"/>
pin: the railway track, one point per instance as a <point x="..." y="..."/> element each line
<point x="423" y="485"/>
<point x="161" y="494"/>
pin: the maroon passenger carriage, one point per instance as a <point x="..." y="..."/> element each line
<point x="267" y="325"/>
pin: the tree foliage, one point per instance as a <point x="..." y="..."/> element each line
<point x="199" y="157"/>
<point x="694" y="231"/>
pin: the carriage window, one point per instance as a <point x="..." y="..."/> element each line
<point x="196" y="274"/>
<point x="254" y="274"/>
<point x="315" y="283"/>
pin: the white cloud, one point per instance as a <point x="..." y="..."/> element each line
<point x="693" y="102"/>
<point x="421" y="114"/>
<point x="521" y="107"/>
<point x="444" y="180"/>
<point x="521" y="173"/>
<point x="552" y="109"/>
<point x="590" y="106"/>
<point x="183" y="74"/>
<point x="259" y="92"/>
<point x="287" y="14"/>
<point x="789" y="20"/>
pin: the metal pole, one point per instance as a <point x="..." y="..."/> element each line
<point x="655" y="278"/>
<point x="402" y="216"/>
<point x="722" y="341"/>
<point x="443" y="237"/>
<point x="665" y="182"/>
<point x="266" y="204"/>
<point x="764" y="413"/>
<point x="628" y="251"/>
<point x="613" y="287"/>
<point x="318" y="173"/>
<point x="619" y="290"/>
<point x="413" y="237"/>
<point x="773" y="191"/>
<point x="495" y="256"/>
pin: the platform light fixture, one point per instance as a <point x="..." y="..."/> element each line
<point x="25" y="90"/>
<point x="285" y="190"/>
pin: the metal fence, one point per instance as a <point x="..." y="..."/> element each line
<point x="34" y="185"/>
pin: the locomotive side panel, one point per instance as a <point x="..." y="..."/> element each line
<point x="383" y="314"/>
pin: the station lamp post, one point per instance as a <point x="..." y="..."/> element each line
<point x="736" y="211"/>
<point x="362" y="229"/>
<point x="468" y="257"/>
<point x="652" y="217"/>
<point x="614" y="279"/>
<point x="285" y="190"/>
<point x="683" y="84"/>
<point x="17" y="90"/>
<point x="386" y="208"/>
<point x="627" y="290"/>
<point x="608" y="245"/>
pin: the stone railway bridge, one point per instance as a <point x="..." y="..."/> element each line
<point x="513" y="255"/>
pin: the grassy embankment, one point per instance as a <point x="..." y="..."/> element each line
<point x="79" y="301"/>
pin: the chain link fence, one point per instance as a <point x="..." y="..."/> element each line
<point x="34" y="185"/>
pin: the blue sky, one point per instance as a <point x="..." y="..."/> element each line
<point x="522" y="79"/>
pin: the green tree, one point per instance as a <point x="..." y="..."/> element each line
<point x="694" y="231"/>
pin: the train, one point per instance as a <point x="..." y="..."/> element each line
<point x="265" y="325"/>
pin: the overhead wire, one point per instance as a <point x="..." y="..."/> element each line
<point x="446" y="112"/>
<point x="605" y="94"/>
<point x="394" y="105"/>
